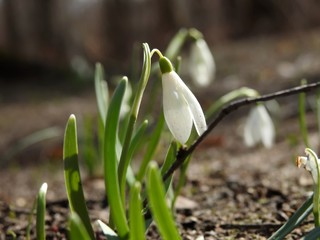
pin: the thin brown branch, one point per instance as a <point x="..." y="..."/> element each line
<point x="183" y="153"/>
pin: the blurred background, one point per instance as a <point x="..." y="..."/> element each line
<point x="48" y="50"/>
<point x="57" y="34"/>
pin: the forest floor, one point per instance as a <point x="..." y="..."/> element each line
<point x="232" y="191"/>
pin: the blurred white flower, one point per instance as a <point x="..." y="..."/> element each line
<point x="202" y="66"/>
<point x="259" y="127"/>
<point x="181" y="108"/>
<point x="309" y="163"/>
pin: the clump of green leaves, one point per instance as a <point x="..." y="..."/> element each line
<point x="137" y="198"/>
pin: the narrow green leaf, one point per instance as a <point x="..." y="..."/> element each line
<point x="295" y="220"/>
<point x="137" y="138"/>
<point x="137" y="229"/>
<point x="72" y="175"/>
<point x="111" y="162"/>
<point x="135" y="142"/>
<point x="151" y="149"/>
<point x="29" y="226"/>
<point x="124" y="159"/>
<point x="181" y="180"/>
<point x="314" y="234"/>
<point x="107" y="231"/>
<point x="41" y="212"/>
<point x="90" y="154"/>
<point x="77" y="229"/>
<point x="101" y="89"/>
<point x="159" y="208"/>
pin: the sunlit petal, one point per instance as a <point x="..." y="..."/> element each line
<point x="176" y="110"/>
<point x="195" y="107"/>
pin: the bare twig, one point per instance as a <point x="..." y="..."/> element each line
<point x="183" y="153"/>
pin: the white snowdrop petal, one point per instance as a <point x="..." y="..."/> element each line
<point x="198" y="117"/>
<point x="259" y="127"/>
<point x="309" y="163"/>
<point x="266" y="127"/>
<point x="251" y="128"/>
<point x="176" y="111"/>
<point x="312" y="166"/>
<point x="202" y="65"/>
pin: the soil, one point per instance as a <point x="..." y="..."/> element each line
<point x="232" y="191"/>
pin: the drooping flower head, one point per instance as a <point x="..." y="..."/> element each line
<point x="310" y="163"/>
<point x="259" y="127"/>
<point x="202" y="65"/>
<point x="181" y="108"/>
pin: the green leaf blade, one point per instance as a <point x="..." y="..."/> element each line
<point x="151" y="149"/>
<point x="101" y="90"/>
<point x="72" y="175"/>
<point x="137" y="225"/>
<point x="157" y="200"/>
<point x="295" y="220"/>
<point x="111" y="161"/>
<point x="77" y="229"/>
<point x="41" y="212"/>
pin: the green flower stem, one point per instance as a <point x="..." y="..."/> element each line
<point x="29" y="226"/>
<point x="124" y="159"/>
<point x="195" y="34"/>
<point x="302" y="115"/>
<point x="153" y="143"/>
<point x="241" y="92"/>
<point x="176" y="44"/>
<point x="181" y="180"/>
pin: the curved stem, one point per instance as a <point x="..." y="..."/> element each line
<point x="124" y="160"/>
<point x="157" y="51"/>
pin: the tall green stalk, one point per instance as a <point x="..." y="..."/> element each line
<point x="302" y="116"/>
<point x="124" y="159"/>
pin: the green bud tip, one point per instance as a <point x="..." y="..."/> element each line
<point x="165" y="65"/>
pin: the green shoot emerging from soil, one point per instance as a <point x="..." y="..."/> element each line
<point x="139" y="195"/>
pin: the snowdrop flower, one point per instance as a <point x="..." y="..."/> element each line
<point x="259" y="127"/>
<point x="202" y="66"/>
<point x="181" y="108"/>
<point x="309" y="163"/>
